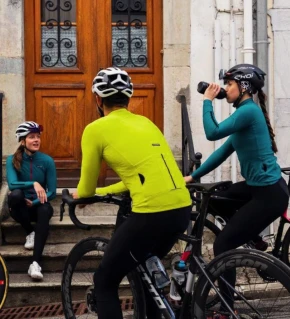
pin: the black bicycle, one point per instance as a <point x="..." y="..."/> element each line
<point x="254" y="296"/>
<point x="277" y="244"/>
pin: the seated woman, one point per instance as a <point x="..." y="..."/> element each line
<point x="31" y="177"/>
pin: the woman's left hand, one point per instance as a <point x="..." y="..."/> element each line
<point x="211" y="92"/>
<point x="28" y="202"/>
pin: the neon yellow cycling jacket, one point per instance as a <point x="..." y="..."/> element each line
<point x="138" y="152"/>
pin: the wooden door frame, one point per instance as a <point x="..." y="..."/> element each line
<point x="90" y="59"/>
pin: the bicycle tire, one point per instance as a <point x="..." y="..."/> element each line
<point x="247" y="263"/>
<point x="4" y="281"/>
<point x="285" y="257"/>
<point x="81" y="263"/>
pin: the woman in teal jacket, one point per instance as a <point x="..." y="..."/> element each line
<point x="264" y="192"/>
<point x="31" y="177"/>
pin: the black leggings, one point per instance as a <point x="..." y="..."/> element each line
<point x="24" y="215"/>
<point x="140" y="235"/>
<point x="264" y="205"/>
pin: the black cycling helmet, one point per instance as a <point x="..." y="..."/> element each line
<point x="111" y="81"/>
<point x="248" y="76"/>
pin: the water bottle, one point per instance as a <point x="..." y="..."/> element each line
<point x="202" y="86"/>
<point x="179" y="274"/>
<point x="157" y="272"/>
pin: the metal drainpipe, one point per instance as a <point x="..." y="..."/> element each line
<point x="232" y="63"/>
<point x="217" y="103"/>
<point x="263" y="61"/>
<point x="248" y="32"/>
<point x="262" y="40"/>
<point x="1" y="99"/>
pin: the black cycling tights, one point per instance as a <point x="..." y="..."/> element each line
<point x="264" y="205"/>
<point x="24" y="215"/>
<point x="140" y="235"/>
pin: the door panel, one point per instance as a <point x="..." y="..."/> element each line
<point x="61" y="110"/>
<point x="142" y="101"/>
<point x="66" y="43"/>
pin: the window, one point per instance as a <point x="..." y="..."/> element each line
<point x="129" y="33"/>
<point x="58" y="34"/>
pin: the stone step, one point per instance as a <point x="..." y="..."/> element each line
<point x="62" y="231"/>
<point x="18" y="258"/>
<point x="23" y="291"/>
<point x="63" y="236"/>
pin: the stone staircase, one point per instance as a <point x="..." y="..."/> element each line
<point x="62" y="237"/>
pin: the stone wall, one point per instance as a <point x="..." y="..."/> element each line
<point x="11" y="70"/>
<point x="203" y="67"/>
<point x="280" y="21"/>
<point x="176" y="63"/>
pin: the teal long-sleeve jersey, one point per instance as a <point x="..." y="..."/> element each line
<point x="248" y="136"/>
<point x="38" y="167"/>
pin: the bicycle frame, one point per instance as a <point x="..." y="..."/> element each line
<point x="195" y="239"/>
<point x="196" y="266"/>
<point x="159" y="299"/>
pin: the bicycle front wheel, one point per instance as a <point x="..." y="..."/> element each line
<point x="4" y="281"/>
<point x="77" y="283"/>
<point x="253" y="297"/>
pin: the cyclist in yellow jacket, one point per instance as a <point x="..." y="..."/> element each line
<point x="138" y="152"/>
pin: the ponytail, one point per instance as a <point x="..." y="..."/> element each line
<point x="17" y="158"/>
<point x="262" y="101"/>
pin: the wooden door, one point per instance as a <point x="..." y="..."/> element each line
<point x="66" y="43"/>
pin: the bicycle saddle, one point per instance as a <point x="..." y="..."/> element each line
<point x="210" y="187"/>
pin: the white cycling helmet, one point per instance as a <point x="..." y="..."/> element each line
<point x="111" y="81"/>
<point x="27" y="127"/>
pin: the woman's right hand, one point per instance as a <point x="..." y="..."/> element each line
<point x="188" y="179"/>
<point x="76" y="196"/>
<point x="211" y="92"/>
<point x="41" y="193"/>
<point x="28" y="202"/>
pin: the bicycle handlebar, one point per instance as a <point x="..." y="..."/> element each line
<point x="286" y="170"/>
<point x="111" y="199"/>
<point x="72" y="203"/>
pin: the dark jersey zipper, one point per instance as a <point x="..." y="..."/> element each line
<point x="31" y="175"/>
<point x="168" y="170"/>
